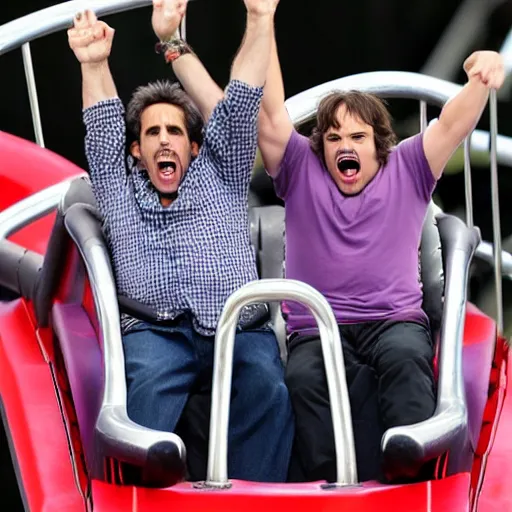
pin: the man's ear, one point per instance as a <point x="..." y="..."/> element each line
<point x="135" y="149"/>
<point x="194" y="149"/>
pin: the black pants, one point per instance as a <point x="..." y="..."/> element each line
<point x="390" y="381"/>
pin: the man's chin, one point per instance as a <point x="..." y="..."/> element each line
<point x="166" y="188"/>
<point x="350" y="190"/>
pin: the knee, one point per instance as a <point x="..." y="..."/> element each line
<point x="296" y="380"/>
<point x="303" y="385"/>
<point x="269" y="386"/>
<point x="411" y="353"/>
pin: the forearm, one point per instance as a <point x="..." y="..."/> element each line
<point x="97" y="83"/>
<point x="251" y="63"/>
<point x="461" y="114"/>
<point x="198" y="83"/>
<point x="273" y="93"/>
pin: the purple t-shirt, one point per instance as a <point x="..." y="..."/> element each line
<point x="360" y="252"/>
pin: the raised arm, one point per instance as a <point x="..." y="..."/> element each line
<point x="251" y="63"/>
<point x="91" y="42"/>
<point x="105" y="131"/>
<point x="193" y="76"/>
<point x="275" y="125"/>
<point x="231" y="133"/>
<point x="461" y="114"/>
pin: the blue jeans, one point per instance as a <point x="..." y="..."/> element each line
<point x="162" y="365"/>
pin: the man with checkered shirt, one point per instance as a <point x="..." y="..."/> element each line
<point x="176" y="223"/>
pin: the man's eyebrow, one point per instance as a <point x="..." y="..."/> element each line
<point x="177" y="126"/>
<point x="152" y="128"/>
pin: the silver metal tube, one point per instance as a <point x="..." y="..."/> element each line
<point x="32" y="93"/>
<point x="274" y="290"/>
<point x="485" y="252"/>
<point x="467" y="181"/>
<point x="423" y="116"/>
<point x="32" y="208"/>
<point x="496" y="209"/>
<point x="58" y="17"/>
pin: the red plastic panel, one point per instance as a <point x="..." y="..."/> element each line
<point x="496" y="491"/>
<point x="26" y="168"/>
<point x="450" y="494"/>
<point x="478" y="327"/>
<point x="34" y="419"/>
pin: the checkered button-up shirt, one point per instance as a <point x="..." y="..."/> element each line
<point x="190" y="256"/>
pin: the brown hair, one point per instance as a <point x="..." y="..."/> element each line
<point x="368" y="107"/>
<point x="163" y="91"/>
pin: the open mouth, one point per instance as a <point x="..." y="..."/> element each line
<point x="167" y="167"/>
<point x="348" y="165"/>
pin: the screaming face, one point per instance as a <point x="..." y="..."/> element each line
<point x="164" y="150"/>
<point x="350" y="153"/>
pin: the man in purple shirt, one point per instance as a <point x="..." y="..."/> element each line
<point x="355" y="205"/>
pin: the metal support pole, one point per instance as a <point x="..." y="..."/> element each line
<point x="32" y="93"/>
<point x="496" y="209"/>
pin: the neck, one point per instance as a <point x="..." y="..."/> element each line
<point x="167" y="199"/>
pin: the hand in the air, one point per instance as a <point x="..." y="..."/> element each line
<point x="261" y="7"/>
<point x="167" y="16"/>
<point x="487" y="67"/>
<point x="90" y="39"/>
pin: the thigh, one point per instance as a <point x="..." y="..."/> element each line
<point x="160" y="369"/>
<point x="256" y="361"/>
<point x="393" y="343"/>
<point x="402" y="355"/>
<point x="157" y="355"/>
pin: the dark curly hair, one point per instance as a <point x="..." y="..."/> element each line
<point x="368" y="107"/>
<point x="163" y="91"/>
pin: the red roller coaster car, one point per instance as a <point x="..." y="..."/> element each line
<point x="66" y="435"/>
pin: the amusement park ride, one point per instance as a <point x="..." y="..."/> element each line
<point x="66" y="434"/>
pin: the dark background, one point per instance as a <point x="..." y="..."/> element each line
<point x="318" y="41"/>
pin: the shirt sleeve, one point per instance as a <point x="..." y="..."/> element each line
<point x="295" y="156"/>
<point x="105" y="144"/>
<point x="413" y="155"/>
<point x="231" y="136"/>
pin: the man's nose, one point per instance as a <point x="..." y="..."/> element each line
<point x="346" y="145"/>
<point x="165" y="140"/>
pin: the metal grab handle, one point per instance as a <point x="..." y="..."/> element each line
<point x="275" y="290"/>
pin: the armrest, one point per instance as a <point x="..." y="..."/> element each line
<point x="406" y="448"/>
<point x="161" y="454"/>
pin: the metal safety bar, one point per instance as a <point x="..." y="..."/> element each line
<point x="276" y="290"/>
